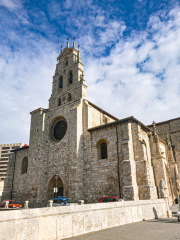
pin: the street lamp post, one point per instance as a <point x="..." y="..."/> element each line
<point x="56" y="177"/>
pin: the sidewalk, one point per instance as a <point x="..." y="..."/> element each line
<point x="156" y="229"/>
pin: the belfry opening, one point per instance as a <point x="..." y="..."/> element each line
<point x="55" y="187"/>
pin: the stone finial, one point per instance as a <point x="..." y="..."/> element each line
<point x="26" y="204"/>
<point x="168" y="140"/>
<point x="50" y="203"/>
<point x="149" y="134"/>
<point x="74" y="45"/>
<point x="67" y="44"/>
<point x="169" y="146"/>
<point x="6" y="204"/>
<point x="154" y="127"/>
<point x="78" y="56"/>
<point x="155" y="132"/>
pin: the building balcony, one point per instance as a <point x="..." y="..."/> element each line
<point x="3" y="169"/>
<point x="4" y="161"/>
<point x="3" y="165"/>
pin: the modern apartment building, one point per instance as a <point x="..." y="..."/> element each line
<point x="4" y="150"/>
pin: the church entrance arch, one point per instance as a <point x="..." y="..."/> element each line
<point x="52" y="186"/>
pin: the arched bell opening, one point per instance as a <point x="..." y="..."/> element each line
<point x="55" y="187"/>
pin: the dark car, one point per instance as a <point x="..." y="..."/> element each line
<point x="110" y="199"/>
<point x="63" y="201"/>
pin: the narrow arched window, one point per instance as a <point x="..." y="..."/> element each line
<point x="24" y="165"/>
<point x="69" y="97"/>
<point x="70" y="77"/>
<point x="63" y="100"/>
<point x="59" y="102"/>
<point x="66" y="61"/>
<point x="103" y="150"/>
<point x="61" y="82"/>
<point x="75" y="58"/>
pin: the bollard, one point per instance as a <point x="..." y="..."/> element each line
<point x="26" y="204"/>
<point x="81" y="202"/>
<point x="50" y="203"/>
<point x="6" y="204"/>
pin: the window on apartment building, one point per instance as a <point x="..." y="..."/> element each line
<point x="24" y="165"/>
<point x="3" y="148"/>
<point x="102" y="152"/>
<point x="14" y="147"/>
<point x="4" y="152"/>
<point x="5" y="155"/>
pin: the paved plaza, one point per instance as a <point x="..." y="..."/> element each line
<point x="157" y="229"/>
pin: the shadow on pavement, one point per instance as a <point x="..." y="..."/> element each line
<point x="172" y="220"/>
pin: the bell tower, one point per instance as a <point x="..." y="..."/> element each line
<point x="68" y="81"/>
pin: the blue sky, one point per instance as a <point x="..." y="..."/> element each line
<point x="130" y="51"/>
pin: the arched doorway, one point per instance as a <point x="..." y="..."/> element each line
<point x="51" y="188"/>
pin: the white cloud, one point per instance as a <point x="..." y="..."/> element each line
<point x="25" y="80"/>
<point x="126" y="82"/>
<point x="125" y="90"/>
<point x="10" y="4"/>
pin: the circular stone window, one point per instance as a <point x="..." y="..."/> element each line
<point x="58" y="129"/>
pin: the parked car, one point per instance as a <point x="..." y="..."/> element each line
<point x="110" y="199"/>
<point x="63" y="201"/>
<point x="12" y="204"/>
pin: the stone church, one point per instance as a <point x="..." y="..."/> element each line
<point x="84" y="152"/>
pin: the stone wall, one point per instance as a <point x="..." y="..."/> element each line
<point x="100" y="176"/>
<point x="16" y="186"/>
<point x="63" y="222"/>
<point x="135" y="167"/>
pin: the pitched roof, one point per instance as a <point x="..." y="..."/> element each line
<point x="167" y="121"/>
<point x="102" y="111"/>
<point x="18" y="149"/>
<point x="131" y="119"/>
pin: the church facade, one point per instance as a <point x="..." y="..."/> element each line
<point x="83" y="152"/>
